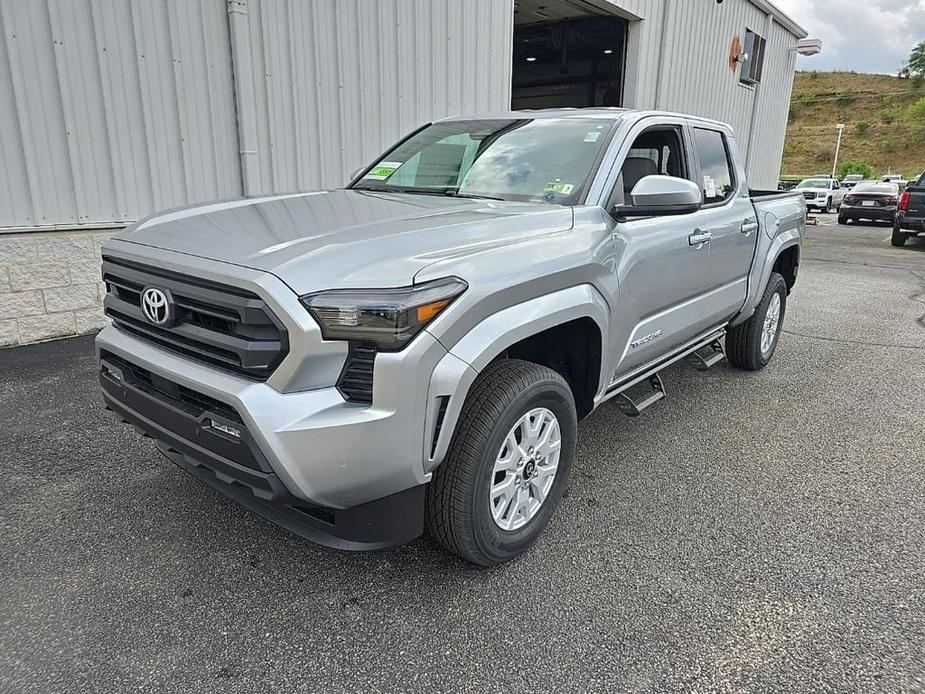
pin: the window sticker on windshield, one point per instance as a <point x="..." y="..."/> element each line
<point x="593" y="136"/>
<point x="560" y="188"/>
<point x="383" y="170"/>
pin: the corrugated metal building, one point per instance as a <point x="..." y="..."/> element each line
<point x="112" y="109"/>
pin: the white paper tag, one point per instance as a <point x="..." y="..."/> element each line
<point x="592" y="136"/>
<point x="709" y="186"/>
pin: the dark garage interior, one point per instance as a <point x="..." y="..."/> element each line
<point x="572" y="61"/>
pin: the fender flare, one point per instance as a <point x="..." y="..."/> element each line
<point x="761" y="272"/>
<point x="458" y="369"/>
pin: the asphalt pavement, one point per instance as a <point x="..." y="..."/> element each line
<point x="751" y="533"/>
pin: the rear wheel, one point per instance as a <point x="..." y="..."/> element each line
<point x="898" y="238"/>
<point x="507" y="465"/>
<point x="750" y="345"/>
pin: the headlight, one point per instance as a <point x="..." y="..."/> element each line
<point x="389" y="317"/>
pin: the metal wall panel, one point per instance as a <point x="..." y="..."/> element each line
<point x="337" y="81"/>
<point x="110" y="109"/>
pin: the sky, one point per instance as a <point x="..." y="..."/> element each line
<point x="860" y="35"/>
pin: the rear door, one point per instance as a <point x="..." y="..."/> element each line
<point x="729" y="217"/>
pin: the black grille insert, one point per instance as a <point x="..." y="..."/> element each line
<point x="224" y="326"/>
<point x="356" y="379"/>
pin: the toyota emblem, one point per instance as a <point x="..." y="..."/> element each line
<point x="157" y="306"/>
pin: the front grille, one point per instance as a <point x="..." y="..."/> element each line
<point x="224" y="326"/>
<point x="356" y="379"/>
<point x="190" y="401"/>
<point x="809" y="196"/>
<point x="186" y="413"/>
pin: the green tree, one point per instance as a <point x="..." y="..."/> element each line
<point x="916" y="63"/>
<point x="856" y="167"/>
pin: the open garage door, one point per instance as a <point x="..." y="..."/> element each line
<point x="567" y="53"/>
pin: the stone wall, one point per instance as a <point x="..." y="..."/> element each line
<point x="50" y="285"/>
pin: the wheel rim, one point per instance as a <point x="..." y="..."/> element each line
<point x="771" y="323"/>
<point x="525" y="469"/>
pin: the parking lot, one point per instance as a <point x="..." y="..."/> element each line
<point x="753" y="532"/>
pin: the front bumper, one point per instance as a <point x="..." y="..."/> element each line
<point x="343" y="475"/>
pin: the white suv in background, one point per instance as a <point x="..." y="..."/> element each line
<point x="822" y="193"/>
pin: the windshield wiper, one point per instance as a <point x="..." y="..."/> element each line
<point x="448" y="192"/>
<point x="454" y="193"/>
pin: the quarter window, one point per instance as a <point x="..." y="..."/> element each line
<point x="718" y="182"/>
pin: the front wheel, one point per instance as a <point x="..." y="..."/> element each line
<point x="828" y="206"/>
<point x="507" y="464"/>
<point x="842" y="220"/>
<point x="750" y="345"/>
<point x="898" y="238"/>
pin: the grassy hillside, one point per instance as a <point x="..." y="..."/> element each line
<point x="879" y="129"/>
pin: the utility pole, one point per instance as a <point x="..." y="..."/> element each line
<point x="841" y="129"/>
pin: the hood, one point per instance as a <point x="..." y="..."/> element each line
<point x="345" y="238"/>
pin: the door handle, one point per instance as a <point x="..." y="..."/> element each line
<point x="748" y="226"/>
<point x="699" y="237"/>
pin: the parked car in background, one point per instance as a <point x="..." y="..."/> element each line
<point x="910" y="217"/>
<point x="898" y="179"/>
<point x="851" y="180"/>
<point x="821" y="193"/>
<point x="870" y="200"/>
<point x="416" y="350"/>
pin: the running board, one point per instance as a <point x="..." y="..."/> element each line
<point x="632" y="407"/>
<point x="706" y="357"/>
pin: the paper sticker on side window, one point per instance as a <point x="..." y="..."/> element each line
<point x="383" y="170"/>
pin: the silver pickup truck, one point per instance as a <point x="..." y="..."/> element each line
<point x="415" y="351"/>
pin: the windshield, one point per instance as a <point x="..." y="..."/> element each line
<point x="814" y="183"/>
<point x="547" y="160"/>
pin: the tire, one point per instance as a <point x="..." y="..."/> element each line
<point x="458" y="508"/>
<point x="898" y="238"/>
<point x="842" y="220"/>
<point x="744" y="341"/>
<point x="828" y="206"/>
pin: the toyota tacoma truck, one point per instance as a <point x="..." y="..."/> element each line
<point x="415" y="351"/>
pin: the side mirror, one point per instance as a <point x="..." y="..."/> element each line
<point x="655" y="196"/>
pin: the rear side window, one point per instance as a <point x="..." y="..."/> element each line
<point x="718" y="181"/>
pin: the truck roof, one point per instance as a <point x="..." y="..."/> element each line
<point x="605" y="112"/>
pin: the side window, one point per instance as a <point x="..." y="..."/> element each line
<point x="658" y="151"/>
<point x="716" y="169"/>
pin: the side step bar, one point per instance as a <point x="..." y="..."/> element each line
<point x="701" y="354"/>
<point x="633" y="408"/>
<point x="708" y="356"/>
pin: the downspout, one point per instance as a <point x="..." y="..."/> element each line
<point x="666" y="7"/>
<point x="769" y="25"/>
<point x="242" y="80"/>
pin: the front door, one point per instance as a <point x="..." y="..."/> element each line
<point x="662" y="263"/>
